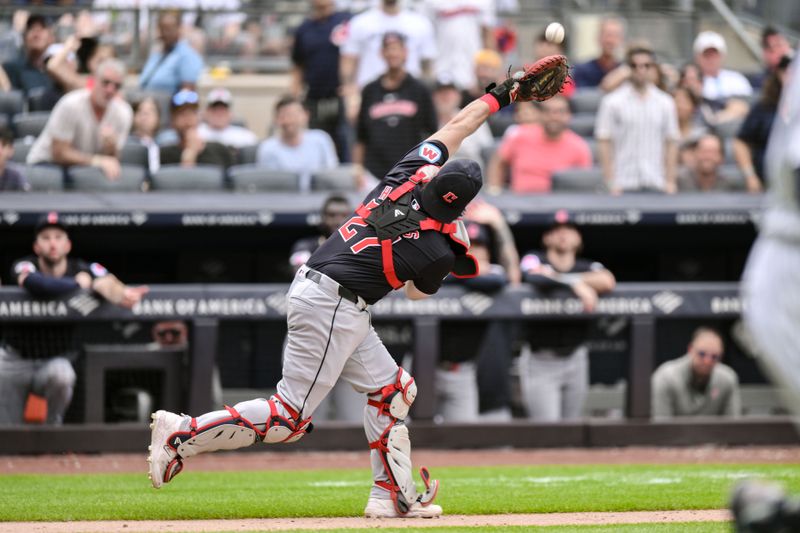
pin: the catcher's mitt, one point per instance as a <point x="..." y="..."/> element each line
<point x="539" y="81"/>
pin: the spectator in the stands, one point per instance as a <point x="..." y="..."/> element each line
<point x="702" y="174"/>
<point x="396" y="112"/>
<point x="554" y="362"/>
<point x="463" y="28"/>
<point x="51" y="273"/>
<point x="750" y="143"/>
<point x="447" y="102"/>
<point x="175" y="64"/>
<point x="696" y="384"/>
<point x="690" y="123"/>
<point x="88" y="126"/>
<point x="637" y="131"/>
<point x="28" y="71"/>
<point x="218" y="125"/>
<point x="533" y="152"/>
<point x="726" y="91"/>
<point x="774" y="47"/>
<point x="488" y="69"/>
<point x="146" y="122"/>
<point x="362" y="59"/>
<point x="191" y="149"/>
<point x="72" y="63"/>
<point x="315" y="71"/>
<point x="12" y="177"/>
<point x="294" y="147"/>
<point x="610" y="39"/>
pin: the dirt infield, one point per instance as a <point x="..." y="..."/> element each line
<point x="270" y="460"/>
<point x="283" y="524"/>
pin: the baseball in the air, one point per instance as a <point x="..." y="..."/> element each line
<point x="554" y="32"/>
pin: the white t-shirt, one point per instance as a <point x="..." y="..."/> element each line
<point x="73" y="120"/>
<point x="235" y="136"/>
<point x="459" y="37"/>
<point x="726" y="84"/>
<point x="365" y="37"/>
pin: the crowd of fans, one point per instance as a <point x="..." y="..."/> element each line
<point x="367" y="86"/>
<point x="371" y="81"/>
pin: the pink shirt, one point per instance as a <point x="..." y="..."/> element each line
<point x="533" y="157"/>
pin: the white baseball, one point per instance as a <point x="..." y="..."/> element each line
<point x="554" y="32"/>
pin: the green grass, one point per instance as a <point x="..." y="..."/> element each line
<point x="484" y="490"/>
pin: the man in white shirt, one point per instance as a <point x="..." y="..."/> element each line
<point x="88" y="126"/>
<point x="218" y="126"/>
<point x="360" y="55"/>
<point x="637" y="131"/>
<point x="725" y="90"/>
<point x="463" y="28"/>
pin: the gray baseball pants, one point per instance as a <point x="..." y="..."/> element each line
<point x="553" y="386"/>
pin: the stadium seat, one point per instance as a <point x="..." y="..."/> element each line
<point x="586" y="100"/>
<point x="93" y="179"/>
<point x="134" y="154"/>
<point x="341" y="178"/>
<point x="30" y="124"/>
<point x="592" y="142"/>
<point x="487" y="152"/>
<point x="12" y="102"/>
<point x="253" y="178"/>
<point x="178" y="178"/>
<point x="499" y="122"/>
<point x="39" y="99"/>
<point x="246" y="155"/>
<point x="579" y="180"/>
<point x="21" y="149"/>
<point x="48" y="178"/>
<point x="729" y="129"/>
<point x="583" y="124"/>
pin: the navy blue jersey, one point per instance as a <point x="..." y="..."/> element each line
<point x="316" y="52"/>
<point x="30" y="264"/>
<point x="352" y="255"/>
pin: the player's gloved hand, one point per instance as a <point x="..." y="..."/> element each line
<point x="539" y="81"/>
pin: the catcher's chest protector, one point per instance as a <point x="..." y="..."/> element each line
<point x="396" y="216"/>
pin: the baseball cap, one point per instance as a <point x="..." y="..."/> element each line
<point x="184" y="97"/>
<point x="709" y="39"/>
<point x="560" y="219"/>
<point x="220" y="95"/>
<point x="390" y="36"/>
<point x="446" y="196"/>
<point x="48" y="220"/>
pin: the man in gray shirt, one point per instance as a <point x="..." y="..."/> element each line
<point x="696" y="384"/>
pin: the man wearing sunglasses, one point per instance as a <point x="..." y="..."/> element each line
<point x="88" y="126"/>
<point x="697" y="384"/>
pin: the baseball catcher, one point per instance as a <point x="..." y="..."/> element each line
<point x="406" y="234"/>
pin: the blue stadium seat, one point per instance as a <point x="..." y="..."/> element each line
<point x="579" y="180"/>
<point x="246" y="155"/>
<point x="92" y="179"/>
<point x="341" y="178"/>
<point x="49" y="178"/>
<point x="179" y="178"/>
<point x="12" y="102"/>
<point x="135" y="154"/>
<point x="254" y="178"/>
<point x="30" y="124"/>
<point x="586" y="100"/>
<point x="583" y="124"/>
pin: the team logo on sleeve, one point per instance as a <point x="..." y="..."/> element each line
<point x="430" y="152"/>
<point x="98" y="270"/>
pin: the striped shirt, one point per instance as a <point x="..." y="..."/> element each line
<point x="638" y="128"/>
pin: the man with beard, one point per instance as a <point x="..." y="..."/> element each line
<point x="40" y="390"/>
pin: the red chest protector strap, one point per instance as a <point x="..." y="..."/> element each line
<point x="390" y="228"/>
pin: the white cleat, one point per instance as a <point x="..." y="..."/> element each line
<point x="385" y="509"/>
<point x="164" y="461"/>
